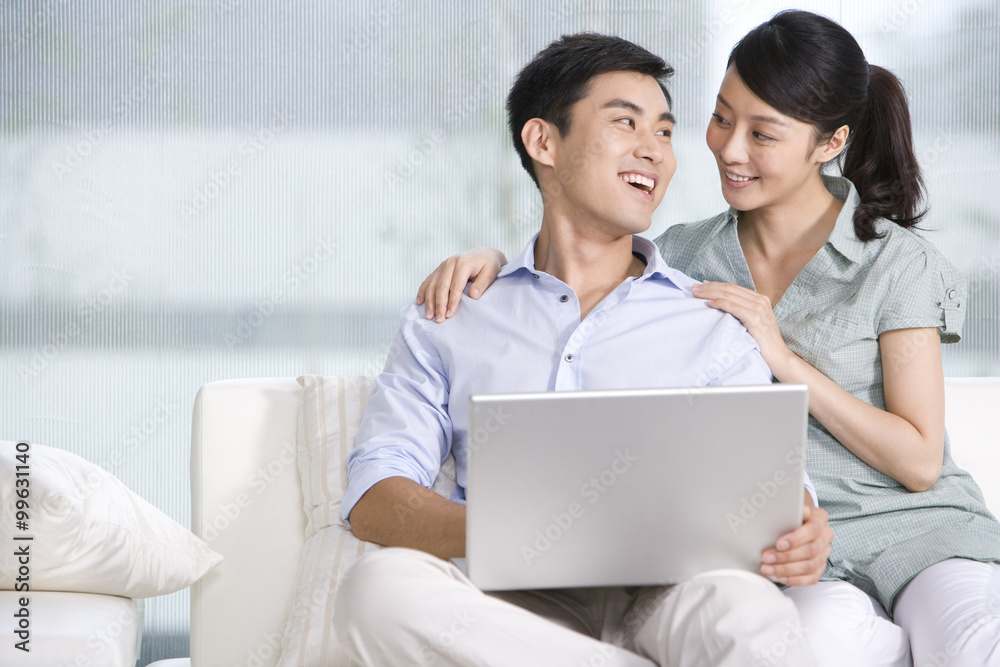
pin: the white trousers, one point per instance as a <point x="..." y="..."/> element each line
<point x="951" y="611"/>
<point x="948" y="616"/>
<point x="846" y="626"/>
<point x="401" y="608"/>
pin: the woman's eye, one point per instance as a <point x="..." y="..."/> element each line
<point x="762" y="137"/>
<point x="718" y="118"/>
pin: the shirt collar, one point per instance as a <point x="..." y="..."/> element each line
<point x="656" y="268"/>
<point x="843" y="237"/>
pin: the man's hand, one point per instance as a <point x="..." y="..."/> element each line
<point x="799" y="557"/>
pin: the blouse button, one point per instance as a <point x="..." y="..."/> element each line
<point x="563" y="299"/>
<point x="569" y="358"/>
<point x="951" y="294"/>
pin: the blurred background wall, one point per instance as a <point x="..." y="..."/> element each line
<point x="208" y="189"/>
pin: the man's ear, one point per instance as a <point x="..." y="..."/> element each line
<point x="834" y="146"/>
<point x="537" y="136"/>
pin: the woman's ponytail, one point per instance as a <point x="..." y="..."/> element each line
<point x="880" y="161"/>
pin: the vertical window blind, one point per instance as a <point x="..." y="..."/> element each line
<point x="195" y="191"/>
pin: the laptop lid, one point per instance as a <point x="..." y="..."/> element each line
<point x="630" y="487"/>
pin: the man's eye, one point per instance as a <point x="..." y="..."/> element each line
<point x="627" y="121"/>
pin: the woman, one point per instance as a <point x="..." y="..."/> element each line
<point x="840" y="294"/>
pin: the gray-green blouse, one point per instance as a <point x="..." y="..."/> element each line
<point x="831" y="316"/>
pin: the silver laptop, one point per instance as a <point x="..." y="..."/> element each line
<point x="630" y="488"/>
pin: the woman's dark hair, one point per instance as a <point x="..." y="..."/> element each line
<point x="558" y="77"/>
<point x="810" y="68"/>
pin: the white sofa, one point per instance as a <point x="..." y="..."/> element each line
<point x="247" y="504"/>
<point x="72" y="629"/>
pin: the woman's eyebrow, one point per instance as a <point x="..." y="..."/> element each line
<point x="764" y="119"/>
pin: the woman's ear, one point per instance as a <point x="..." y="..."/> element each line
<point x="834" y="146"/>
<point x="537" y="138"/>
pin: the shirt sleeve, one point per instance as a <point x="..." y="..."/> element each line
<point x="927" y="292"/>
<point x="406" y="430"/>
<point x="735" y="357"/>
<point x="810" y="488"/>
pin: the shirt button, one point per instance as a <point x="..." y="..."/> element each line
<point x="951" y="294"/>
<point x="535" y="276"/>
<point x="569" y="358"/>
<point x="563" y="298"/>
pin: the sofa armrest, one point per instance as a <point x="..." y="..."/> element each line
<point x="247" y="505"/>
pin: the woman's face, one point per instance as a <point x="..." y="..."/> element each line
<point x="765" y="158"/>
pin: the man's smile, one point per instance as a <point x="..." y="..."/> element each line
<point x="643" y="181"/>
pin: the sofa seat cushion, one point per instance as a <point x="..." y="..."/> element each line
<point x="71" y="629"/>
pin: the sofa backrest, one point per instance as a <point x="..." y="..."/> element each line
<point x="972" y="417"/>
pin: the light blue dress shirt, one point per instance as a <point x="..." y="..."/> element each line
<point x="525" y="334"/>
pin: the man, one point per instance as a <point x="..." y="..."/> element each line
<point x="587" y="305"/>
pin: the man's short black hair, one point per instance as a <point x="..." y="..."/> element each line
<point x="558" y="77"/>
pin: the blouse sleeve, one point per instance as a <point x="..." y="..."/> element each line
<point x="928" y="292"/>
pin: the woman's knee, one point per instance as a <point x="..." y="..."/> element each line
<point x="952" y="613"/>
<point x="837" y="603"/>
<point x="846" y="626"/>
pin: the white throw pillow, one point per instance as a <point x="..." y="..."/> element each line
<point x="329" y="419"/>
<point x="90" y="533"/>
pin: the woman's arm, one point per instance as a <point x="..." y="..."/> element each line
<point x="442" y="290"/>
<point x="904" y="441"/>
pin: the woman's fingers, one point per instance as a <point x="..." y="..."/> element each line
<point x="463" y="273"/>
<point x="488" y="273"/>
<point x="441" y="292"/>
<point x="733" y="299"/>
<point x="753" y="310"/>
<point x="446" y="274"/>
<point x="426" y="295"/>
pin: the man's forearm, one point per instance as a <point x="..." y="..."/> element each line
<point x="398" y="512"/>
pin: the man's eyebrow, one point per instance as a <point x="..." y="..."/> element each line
<point x="636" y="109"/>
<point x="763" y="119"/>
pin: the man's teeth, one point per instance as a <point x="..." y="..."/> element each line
<point x="738" y="179"/>
<point x="635" y="179"/>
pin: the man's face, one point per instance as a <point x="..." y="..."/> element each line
<point x="616" y="160"/>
